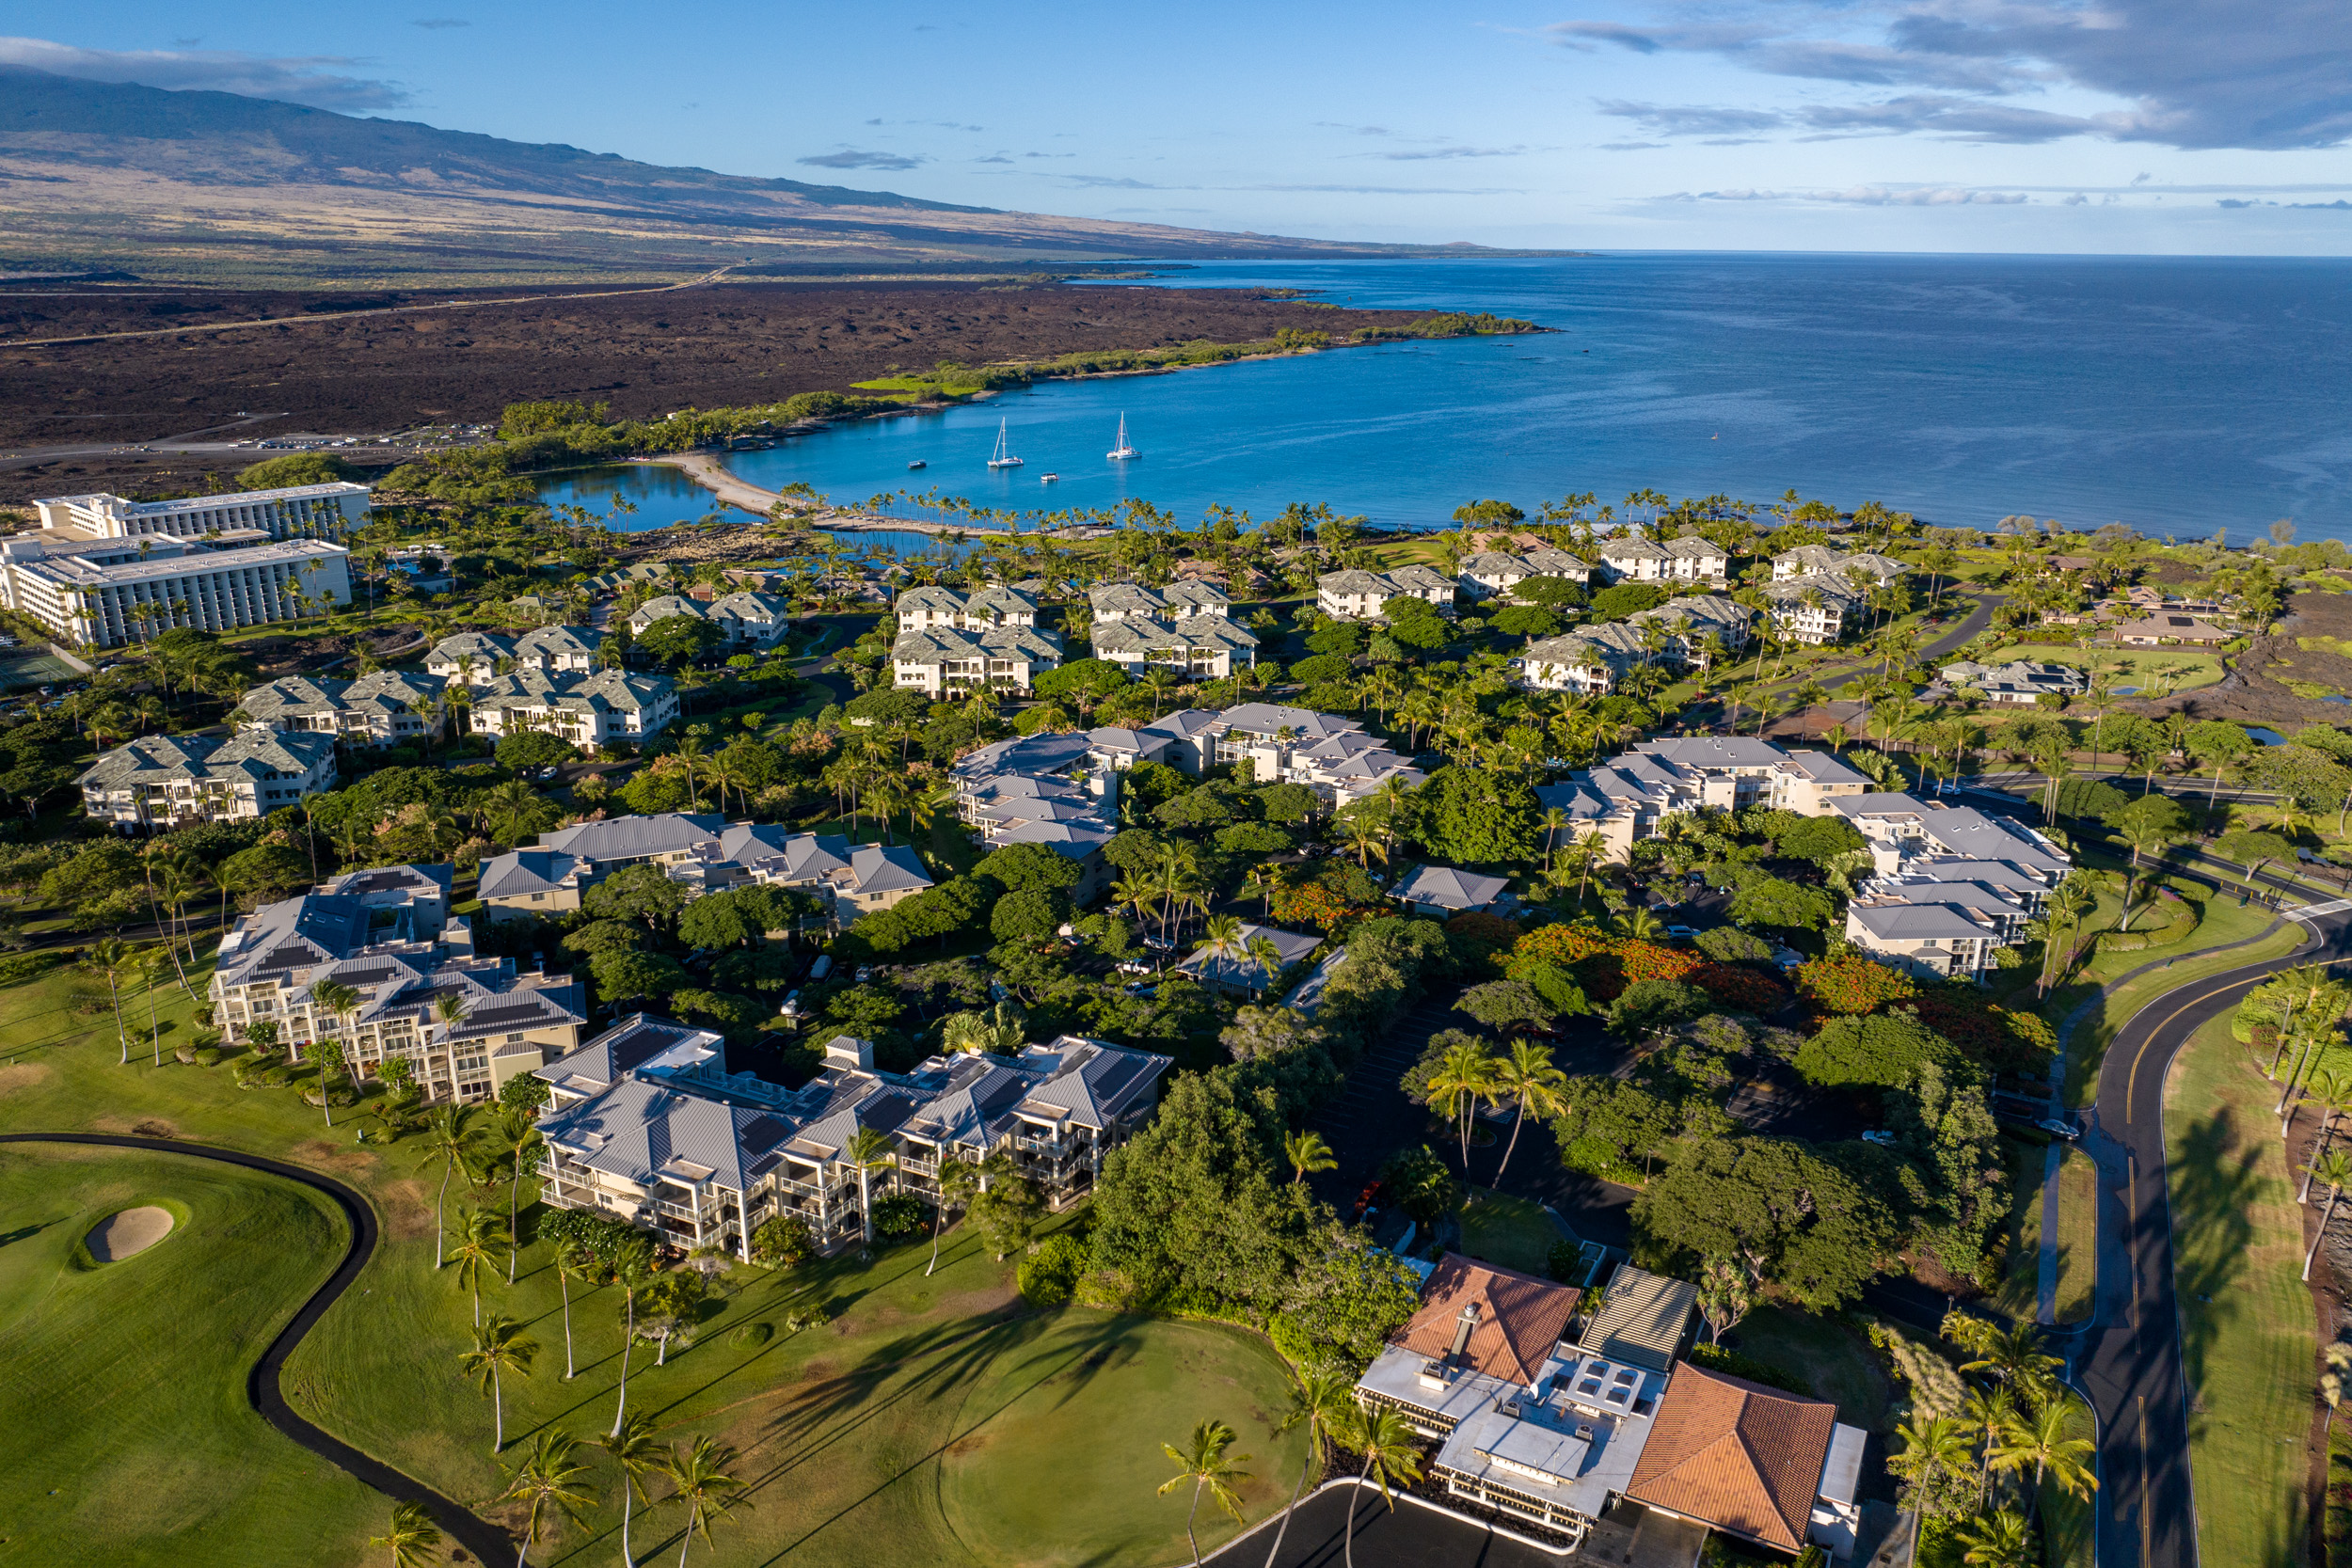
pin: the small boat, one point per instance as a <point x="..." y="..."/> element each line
<point x="1123" y="451"/>
<point x="1047" y="479"/>
<point x="1003" y="458"/>
<point x="919" y="463"/>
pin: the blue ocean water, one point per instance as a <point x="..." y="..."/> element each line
<point x="2178" y="395"/>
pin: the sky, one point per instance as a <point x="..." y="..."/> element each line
<point x="2214" y="127"/>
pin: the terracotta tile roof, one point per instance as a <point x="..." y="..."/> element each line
<point x="1741" y="1457"/>
<point x="1520" y="1317"/>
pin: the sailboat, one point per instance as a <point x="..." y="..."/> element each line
<point x="1123" y="451"/>
<point x="1003" y="457"/>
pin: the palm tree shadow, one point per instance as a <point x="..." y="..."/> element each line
<point x="2214" y="1175"/>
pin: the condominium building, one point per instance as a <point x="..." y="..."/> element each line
<point x="101" y="593"/>
<point x="466" y="1023"/>
<point x="1354" y="595"/>
<point x="702" y="854"/>
<point x="1055" y="790"/>
<point x="1493" y="572"/>
<point x="1181" y="601"/>
<point x="2018" y="682"/>
<point x="1815" y="609"/>
<point x="1204" y="646"/>
<point x="647" y="1123"/>
<point x="1550" y="1418"/>
<point x="1629" y="557"/>
<point x="993" y="609"/>
<point x="480" y="658"/>
<point x="384" y="707"/>
<point x="167" y="782"/>
<point x="1625" y="799"/>
<point x="300" y="511"/>
<point x="593" y="712"/>
<point x="1954" y="885"/>
<point x="1328" y="753"/>
<point x="1810" y="560"/>
<point x="667" y="607"/>
<point x="943" y="662"/>
<point x="751" y="620"/>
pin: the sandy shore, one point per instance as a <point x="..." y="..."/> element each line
<point x="705" y="469"/>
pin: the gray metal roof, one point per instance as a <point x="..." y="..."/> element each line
<point x="1450" y="889"/>
<point x="624" y="838"/>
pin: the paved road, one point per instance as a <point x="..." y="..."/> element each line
<point x="2128" y="1360"/>
<point x="1406" y="1536"/>
<point x="484" y="1541"/>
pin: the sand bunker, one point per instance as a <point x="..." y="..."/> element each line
<point x="129" y="1233"/>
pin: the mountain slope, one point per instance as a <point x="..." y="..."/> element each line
<point x="207" y="185"/>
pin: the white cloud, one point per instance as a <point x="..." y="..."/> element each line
<point x="850" y="157"/>
<point x="320" y="81"/>
<point x="1867" y="195"/>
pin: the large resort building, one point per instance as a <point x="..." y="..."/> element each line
<point x="647" y="1123"/>
<point x="1591" y="1430"/>
<point x="101" y="571"/>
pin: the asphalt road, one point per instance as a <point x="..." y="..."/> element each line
<point x="487" y="1542"/>
<point x="2128" y="1360"/>
<point x="1406" y="1536"/>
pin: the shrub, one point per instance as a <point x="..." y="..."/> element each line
<point x="751" y="1336"/>
<point x="897" y="1215"/>
<point x="1049" y="1275"/>
<point x="1715" y="1358"/>
<point x="784" y="1242"/>
<point x="1729" y="945"/>
<point x="534" y="749"/>
<point x="1565" y="1262"/>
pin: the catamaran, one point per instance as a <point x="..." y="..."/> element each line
<point x="1003" y="457"/>
<point x="1123" y="451"/>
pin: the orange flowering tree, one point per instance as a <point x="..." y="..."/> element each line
<point x="1852" y="985"/>
<point x="1604" y="965"/>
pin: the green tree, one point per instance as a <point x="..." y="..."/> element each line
<point x="1884" y="1050"/>
<point x="1530" y="1080"/>
<point x="700" y="1483"/>
<point x="868" y="1151"/>
<point x="1207" y="1464"/>
<point x="113" y="960"/>
<point x="1466" y="1073"/>
<point x="1306" y="1152"/>
<point x="412" y="1538"/>
<point x="1477" y="816"/>
<point x="452" y="1137"/>
<point x="481" y="1236"/>
<point x="1763" y="900"/>
<point x="677" y="639"/>
<point x="634" y="1451"/>
<point x="1392" y="1455"/>
<point x="1791" y="1216"/>
<point x="1320" y="1402"/>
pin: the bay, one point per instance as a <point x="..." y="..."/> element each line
<point x="2179" y="395"/>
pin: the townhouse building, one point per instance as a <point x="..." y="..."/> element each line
<point x="1050" y="789"/>
<point x="595" y="712"/>
<point x="559" y="650"/>
<point x="165" y="782"/>
<point x="1179" y="601"/>
<point x="995" y="607"/>
<point x="703" y="853"/>
<point x="751" y="620"/>
<point x="1819" y="560"/>
<point x="1548" y="1416"/>
<point x="1815" y="609"/>
<point x="384" y="707"/>
<point x="1203" y="646"/>
<point x="1630" y="557"/>
<point x="466" y="1023"/>
<point x="1595" y="659"/>
<point x="471" y="657"/>
<point x="1357" y="596"/>
<point x="941" y="661"/>
<point x="298" y="511"/>
<point x="1496" y="574"/>
<point x="647" y="1123"/>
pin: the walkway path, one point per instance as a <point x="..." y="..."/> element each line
<point x="484" y="1539"/>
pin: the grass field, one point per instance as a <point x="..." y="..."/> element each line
<point x="2069" y="1524"/>
<point x="2247" y="1319"/>
<point x="125" y="1438"/>
<point x="925" y="1421"/>
<point x="2153" y="670"/>
<point x="1512" y="1232"/>
<point x="2019" y="1293"/>
<point x="2077" y="1237"/>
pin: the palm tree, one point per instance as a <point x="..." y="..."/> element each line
<point x="450" y="1137"/>
<point x="499" y="1346"/>
<point x="1528" y="1076"/>
<point x="1319" y="1401"/>
<point x="2014" y="1355"/>
<point x="1464" y="1073"/>
<point x="549" y="1477"/>
<point x="2334" y="1168"/>
<point x="521" y="1131"/>
<point x="1932" y="1445"/>
<point x="634" y="1451"/>
<point x="866" y="1152"/>
<point x="2331" y="1091"/>
<point x="2040" y="1438"/>
<point x="632" y="1269"/>
<point x="1306" y="1152"/>
<point x="699" y="1478"/>
<point x="1384" y="1439"/>
<point x="112" y="960"/>
<point x="412" y="1538"/>
<point x="958" y="1179"/>
<point x="1996" y="1541"/>
<point x="570" y="1263"/>
<point x="1206" y="1463"/>
<point x="1365" y="838"/>
<point x="1553" y="821"/>
<point x="480" y="1237"/>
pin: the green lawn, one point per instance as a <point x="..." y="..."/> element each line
<point x="1512" y="1232"/>
<point x="1836" y="1361"/>
<point x="2077" y="1237"/>
<point x="125" y="1438"/>
<point x="912" y="1427"/>
<point x="2068" y="1524"/>
<point x="2247" y="1320"/>
<point x="2018" y="1294"/>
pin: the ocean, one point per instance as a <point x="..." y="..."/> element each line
<point x="2179" y="395"/>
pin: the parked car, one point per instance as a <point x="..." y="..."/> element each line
<point x="2058" y="1128"/>
<point x="822" y="967"/>
<point x="1878" y="1136"/>
<point x="791" y="1007"/>
<point x="864" y="973"/>
<point x="1129" y="966"/>
<point x="1685" y="933"/>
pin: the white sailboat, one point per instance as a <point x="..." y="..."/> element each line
<point x="1003" y="458"/>
<point x="1123" y="451"/>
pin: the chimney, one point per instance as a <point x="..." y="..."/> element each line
<point x="1462" y="1331"/>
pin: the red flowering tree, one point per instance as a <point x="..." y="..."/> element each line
<point x="1490" y="934"/>
<point x="1852" y="985"/>
<point x="1602" y="964"/>
<point x="1740" y="991"/>
<point x="1313" y="904"/>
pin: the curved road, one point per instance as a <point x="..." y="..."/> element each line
<point x="2128" y="1359"/>
<point x="482" y="1540"/>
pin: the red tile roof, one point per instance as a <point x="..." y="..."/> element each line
<point x="1520" y="1317"/>
<point x="1743" y="1458"/>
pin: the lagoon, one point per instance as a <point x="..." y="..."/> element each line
<point x="2176" y="394"/>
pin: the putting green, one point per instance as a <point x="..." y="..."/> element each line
<point x="1058" y="1440"/>
<point x="125" y="1438"/>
